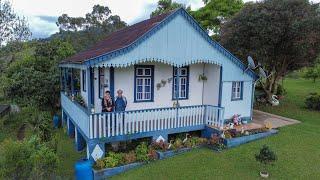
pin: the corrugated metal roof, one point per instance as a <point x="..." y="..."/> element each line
<point x="118" y="39"/>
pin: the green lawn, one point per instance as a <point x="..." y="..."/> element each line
<point x="297" y="146"/>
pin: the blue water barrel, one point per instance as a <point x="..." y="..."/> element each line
<point x="56" y="121"/>
<point x="83" y="169"/>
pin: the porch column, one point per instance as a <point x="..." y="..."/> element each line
<point x="95" y="150"/>
<point x="89" y="89"/>
<point x="70" y="128"/>
<point x="80" y="141"/>
<point x="178" y="84"/>
<point x="65" y="79"/>
<point x="72" y="82"/>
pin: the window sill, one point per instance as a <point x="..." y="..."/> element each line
<point x="142" y="101"/>
<point x="240" y="99"/>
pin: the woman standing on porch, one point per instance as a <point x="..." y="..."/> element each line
<point x="107" y="102"/>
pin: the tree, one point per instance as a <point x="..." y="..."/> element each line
<point x="99" y="19"/>
<point x="34" y="80"/>
<point x="12" y="26"/>
<point x="283" y="35"/>
<point x="313" y="72"/>
<point x="215" y="13"/>
<point x="83" y="32"/>
<point x="165" y="6"/>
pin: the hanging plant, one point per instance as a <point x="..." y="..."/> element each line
<point x="163" y="82"/>
<point x="159" y="85"/>
<point x="203" y="77"/>
<point x="169" y="80"/>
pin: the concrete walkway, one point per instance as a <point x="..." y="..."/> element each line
<point x="260" y="117"/>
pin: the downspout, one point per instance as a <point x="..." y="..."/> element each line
<point x="252" y="98"/>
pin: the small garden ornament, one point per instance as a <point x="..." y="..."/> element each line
<point x="266" y="157"/>
<point x="237" y="119"/>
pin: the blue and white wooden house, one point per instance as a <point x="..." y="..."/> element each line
<point x="174" y="76"/>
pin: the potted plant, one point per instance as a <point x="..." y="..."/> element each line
<point x="266" y="157"/>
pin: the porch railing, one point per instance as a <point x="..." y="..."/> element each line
<point x="102" y="125"/>
<point x="76" y="112"/>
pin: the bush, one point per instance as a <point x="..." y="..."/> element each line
<point x="152" y="154"/>
<point x="178" y="144"/>
<point x="142" y="152"/>
<point x="281" y="90"/>
<point x="129" y="157"/>
<point x="113" y="160"/>
<point x="45" y="162"/>
<point x="161" y="145"/>
<point x="15" y="161"/>
<point x="313" y="101"/>
<point x="266" y="157"/>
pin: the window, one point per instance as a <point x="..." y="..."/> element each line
<point x="143" y="83"/>
<point x="84" y="80"/>
<point x="101" y="82"/>
<point x="237" y="90"/>
<point x="183" y="83"/>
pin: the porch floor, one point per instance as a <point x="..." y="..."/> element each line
<point x="260" y="119"/>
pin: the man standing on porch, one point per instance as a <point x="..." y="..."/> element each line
<point x="121" y="101"/>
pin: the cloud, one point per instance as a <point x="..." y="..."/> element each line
<point x="50" y="19"/>
<point x="42" y="14"/>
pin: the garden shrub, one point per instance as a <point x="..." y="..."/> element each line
<point x="45" y="162"/>
<point x="129" y="157"/>
<point x="160" y="146"/>
<point x="313" y="101"/>
<point x="281" y="90"/>
<point x="178" y="144"/>
<point x="142" y="152"/>
<point x="15" y="161"/>
<point x="113" y="159"/>
<point x="152" y="154"/>
<point x="100" y="164"/>
<point x="266" y="157"/>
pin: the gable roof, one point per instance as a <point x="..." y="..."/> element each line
<point x="126" y="39"/>
<point x="118" y="39"/>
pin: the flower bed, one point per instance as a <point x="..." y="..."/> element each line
<point x="236" y="141"/>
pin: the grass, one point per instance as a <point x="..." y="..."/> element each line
<point x="67" y="154"/>
<point x="297" y="147"/>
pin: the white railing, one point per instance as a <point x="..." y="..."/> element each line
<point x="112" y="124"/>
<point x="76" y="112"/>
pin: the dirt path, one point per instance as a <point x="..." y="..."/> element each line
<point x="21" y="132"/>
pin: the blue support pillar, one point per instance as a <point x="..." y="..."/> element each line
<point x="89" y="88"/>
<point x="80" y="141"/>
<point x="95" y="150"/>
<point x="72" y="82"/>
<point x="112" y="82"/>
<point x="70" y="128"/>
<point x="65" y="79"/>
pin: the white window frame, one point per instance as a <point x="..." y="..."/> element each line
<point x="183" y="83"/>
<point x="237" y="90"/>
<point x="145" y="81"/>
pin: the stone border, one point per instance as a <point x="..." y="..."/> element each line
<point x="108" y="172"/>
<point x="167" y="154"/>
<point x="233" y="142"/>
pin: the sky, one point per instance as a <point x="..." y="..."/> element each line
<point x="42" y="14"/>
